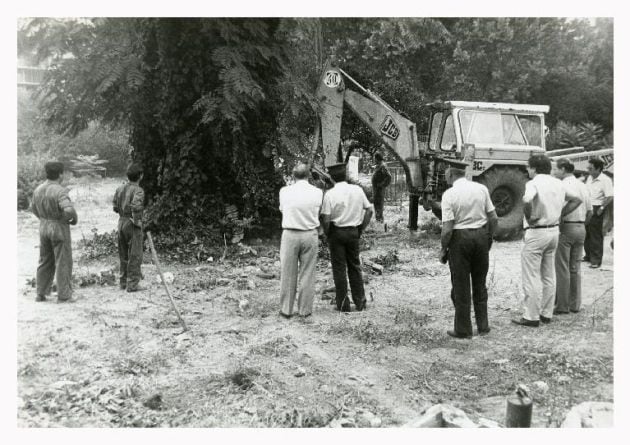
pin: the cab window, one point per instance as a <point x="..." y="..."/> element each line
<point x="449" y="140"/>
<point x="436" y="120"/>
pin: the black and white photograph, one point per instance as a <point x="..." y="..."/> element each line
<point x="310" y="221"/>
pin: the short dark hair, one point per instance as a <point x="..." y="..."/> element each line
<point x="134" y="171"/>
<point x="338" y="175"/>
<point x="540" y="163"/>
<point x="566" y="165"/>
<point x="378" y="157"/>
<point x="53" y="169"/>
<point x="597" y="163"/>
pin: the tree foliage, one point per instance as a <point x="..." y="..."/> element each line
<point x="219" y="109"/>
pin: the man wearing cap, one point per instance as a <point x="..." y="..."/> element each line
<point x="380" y="180"/>
<point x="52" y="206"/>
<point x="300" y="204"/>
<point x="571" y="241"/>
<point x="468" y="223"/>
<point x="346" y="212"/>
<point x="545" y="202"/>
<point x="601" y="190"/>
<point x="129" y="204"/>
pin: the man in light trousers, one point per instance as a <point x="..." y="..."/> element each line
<point x="571" y="242"/>
<point x="300" y="204"/>
<point x="545" y="201"/>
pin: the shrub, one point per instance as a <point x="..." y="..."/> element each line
<point x="588" y="135"/>
<point x="29" y="175"/>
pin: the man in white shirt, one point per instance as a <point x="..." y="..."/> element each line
<point x="545" y="201"/>
<point x="346" y="212"/>
<point x="468" y="223"/>
<point x="571" y="242"/>
<point x="300" y="204"/>
<point x="601" y="189"/>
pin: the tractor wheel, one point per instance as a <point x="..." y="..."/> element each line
<point x="506" y="186"/>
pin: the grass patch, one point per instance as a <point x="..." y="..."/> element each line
<point x="278" y="347"/>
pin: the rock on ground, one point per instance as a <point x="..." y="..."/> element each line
<point x="590" y="415"/>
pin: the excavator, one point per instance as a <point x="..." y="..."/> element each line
<point x="495" y="140"/>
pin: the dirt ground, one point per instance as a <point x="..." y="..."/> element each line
<point x="118" y="359"/>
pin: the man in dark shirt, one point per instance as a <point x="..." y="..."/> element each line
<point x="52" y="206"/>
<point x="380" y="180"/>
<point x="129" y="204"/>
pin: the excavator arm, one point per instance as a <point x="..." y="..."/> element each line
<point x="396" y="132"/>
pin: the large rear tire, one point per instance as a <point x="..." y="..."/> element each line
<point x="506" y="186"/>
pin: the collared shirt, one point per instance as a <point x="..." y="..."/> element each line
<point x="346" y="204"/>
<point x="129" y="201"/>
<point x="547" y="195"/>
<point x="574" y="187"/>
<point x="600" y="188"/>
<point x="300" y="204"/>
<point x="467" y="203"/>
<point x="49" y="201"/>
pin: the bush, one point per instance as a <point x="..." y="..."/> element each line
<point x="29" y="175"/>
<point x="588" y="135"/>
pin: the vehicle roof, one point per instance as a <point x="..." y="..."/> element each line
<point x="490" y="106"/>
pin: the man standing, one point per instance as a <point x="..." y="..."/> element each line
<point x="52" y="205"/>
<point x="380" y="180"/>
<point x="544" y="200"/>
<point x="129" y="204"/>
<point x="571" y="242"/>
<point x="346" y="212"/>
<point x="601" y="189"/>
<point x="468" y="223"/>
<point x="300" y="204"/>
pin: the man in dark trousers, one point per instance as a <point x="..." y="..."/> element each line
<point x="346" y="212"/>
<point x="380" y="180"/>
<point x="468" y="223"/>
<point x="52" y="206"/>
<point x="129" y="204"/>
<point x="600" y="187"/>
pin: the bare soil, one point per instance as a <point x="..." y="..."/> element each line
<point x="119" y="359"/>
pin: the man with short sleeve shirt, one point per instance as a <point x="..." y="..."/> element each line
<point x="545" y="201"/>
<point x="571" y="242"/>
<point x="346" y="212"/>
<point x="300" y="204"/>
<point x="468" y="223"/>
<point x="601" y="190"/>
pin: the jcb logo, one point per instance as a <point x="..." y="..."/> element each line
<point x="389" y="128"/>
<point x="332" y="79"/>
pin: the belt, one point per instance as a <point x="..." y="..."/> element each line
<point x="542" y="227"/>
<point x="573" y="222"/>
<point x="299" y="230"/>
<point x="471" y="229"/>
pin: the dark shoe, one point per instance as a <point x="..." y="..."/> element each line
<point x="545" y="319"/>
<point x="284" y="315"/>
<point x="483" y="332"/>
<point x="586" y="259"/>
<point x="40" y="298"/>
<point x="595" y="266"/>
<point x="525" y="322"/>
<point x="362" y="307"/>
<point x="575" y="312"/>
<point x="557" y="312"/>
<point x="136" y="288"/>
<point x="458" y="335"/>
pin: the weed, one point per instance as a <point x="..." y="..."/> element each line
<point x="278" y="347"/>
<point x="388" y="260"/>
<point x="243" y="377"/>
<point x="100" y="245"/>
